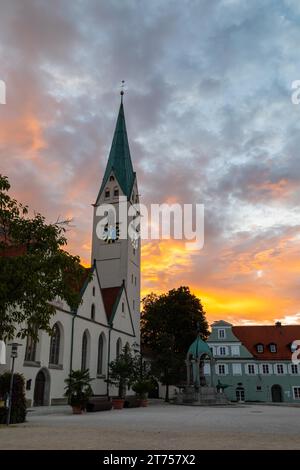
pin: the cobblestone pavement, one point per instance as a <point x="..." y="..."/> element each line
<point x="160" y="426"/>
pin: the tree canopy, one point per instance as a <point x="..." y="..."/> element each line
<point x="35" y="269"/>
<point x="169" y="324"/>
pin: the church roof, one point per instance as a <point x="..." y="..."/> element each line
<point x="199" y="347"/>
<point x="110" y="297"/>
<point x="119" y="160"/>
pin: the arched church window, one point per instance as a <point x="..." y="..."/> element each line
<point x="54" y="345"/>
<point x="100" y="354"/>
<point x="116" y="192"/>
<point x="84" y="351"/>
<point x="111" y="178"/>
<point x="94" y="291"/>
<point x="118" y="347"/>
<point x="30" y="351"/>
<point x="107" y="193"/>
<point x="93" y="312"/>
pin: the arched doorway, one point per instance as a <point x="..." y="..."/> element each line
<point x="41" y="388"/>
<point x="240" y="394"/>
<point x="276" y="392"/>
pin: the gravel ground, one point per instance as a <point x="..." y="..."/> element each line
<point x="160" y="426"/>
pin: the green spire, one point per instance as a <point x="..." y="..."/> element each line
<point x="119" y="160"/>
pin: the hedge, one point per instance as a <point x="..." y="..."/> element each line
<point x="18" y="409"/>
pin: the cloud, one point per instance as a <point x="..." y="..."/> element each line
<point x="209" y="118"/>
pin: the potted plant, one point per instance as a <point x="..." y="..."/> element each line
<point x="142" y="387"/>
<point x="121" y="372"/>
<point x="78" y="389"/>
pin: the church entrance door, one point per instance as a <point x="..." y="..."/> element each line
<point x="39" y="389"/>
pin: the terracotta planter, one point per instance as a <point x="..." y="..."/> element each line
<point x="77" y="410"/>
<point x="143" y="402"/>
<point x="118" y="403"/>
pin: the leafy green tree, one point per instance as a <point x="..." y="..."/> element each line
<point x="123" y="371"/>
<point x="169" y="325"/>
<point x="34" y="268"/>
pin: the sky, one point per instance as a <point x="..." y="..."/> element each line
<point x="209" y="117"/>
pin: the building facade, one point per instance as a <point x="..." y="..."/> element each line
<point x="255" y="362"/>
<point x="109" y="315"/>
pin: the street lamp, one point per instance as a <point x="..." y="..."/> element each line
<point x="13" y="355"/>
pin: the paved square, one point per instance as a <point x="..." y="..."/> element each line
<point x="160" y="426"/>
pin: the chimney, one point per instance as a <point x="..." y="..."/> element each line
<point x="278" y="323"/>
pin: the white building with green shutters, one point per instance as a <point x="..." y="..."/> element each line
<point x="255" y="361"/>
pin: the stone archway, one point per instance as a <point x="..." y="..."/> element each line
<point x="41" y="396"/>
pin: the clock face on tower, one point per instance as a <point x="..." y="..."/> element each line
<point x="111" y="233"/>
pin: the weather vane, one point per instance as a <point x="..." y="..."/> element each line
<point x="122" y="89"/>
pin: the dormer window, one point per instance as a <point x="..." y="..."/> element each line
<point x="116" y="192"/>
<point x="221" y="334"/>
<point x="273" y="348"/>
<point x="107" y="193"/>
<point x="112" y="178"/>
<point x="260" y="348"/>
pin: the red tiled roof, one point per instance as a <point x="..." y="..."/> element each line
<point x="110" y="295"/>
<point x="283" y="336"/>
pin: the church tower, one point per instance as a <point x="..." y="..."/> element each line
<point x="115" y="254"/>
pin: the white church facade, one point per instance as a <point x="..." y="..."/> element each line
<point x="108" y="316"/>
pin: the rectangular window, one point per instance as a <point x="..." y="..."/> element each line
<point x="279" y="369"/>
<point x="237" y="369"/>
<point x="221" y="369"/>
<point x="251" y="369"/>
<point x="265" y="369"/>
<point x="222" y="351"/>
<point x="296" y="393"/>
<point x="221" y="334"/>
<point x="206" y="370"/>
<point x="133" y="304"/>
<point x="260" y="348"/>
<point x="258" y="388"/>
<point x="273" y="348"/>
<point x="294" y="369"/>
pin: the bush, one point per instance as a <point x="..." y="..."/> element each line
<point x="18" y="409"/>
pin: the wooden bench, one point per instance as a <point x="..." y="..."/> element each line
<point x="98" y="403"/>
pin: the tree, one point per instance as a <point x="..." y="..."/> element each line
<point x="34" y="269"/>
<point x="123" y="371"/>
<point x="78" y="388"/>
<point x="168" y="327"/>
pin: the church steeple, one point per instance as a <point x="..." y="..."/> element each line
<point x="119" y="160"/>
